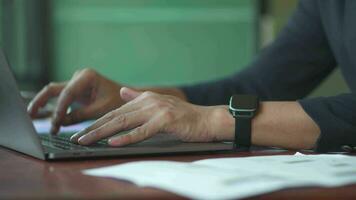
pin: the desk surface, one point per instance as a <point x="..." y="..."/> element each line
<point x="23" y="177"/>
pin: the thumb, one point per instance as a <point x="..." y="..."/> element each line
<point x="128" y="94"/>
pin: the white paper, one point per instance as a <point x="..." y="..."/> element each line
<point x="231" y="178"/>
<point x="43" y="126"/>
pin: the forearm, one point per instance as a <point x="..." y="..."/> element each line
<point x="278" y="124"/>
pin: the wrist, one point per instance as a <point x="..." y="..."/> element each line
<point x="222" y="123"/>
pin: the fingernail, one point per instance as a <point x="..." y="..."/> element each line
<point x="83" y="140"/>
<point x="54" y="127"/>
<point x="115" y="141"/>
<point x="76" y="135"/>
<point x="54" y="130"/>
<point x="29" y="106"/>
<point x="74" y="138"/>
<point x="110" y="141"/>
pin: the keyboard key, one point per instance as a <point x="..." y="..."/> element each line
<point x="61" y="142"/>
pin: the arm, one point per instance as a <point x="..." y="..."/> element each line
<point x="335" y="116"/>
<point x="278" y="124"/>
<point x="148" y="113"/>
<point x="289" y="69"/>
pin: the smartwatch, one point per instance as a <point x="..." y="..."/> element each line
<point x="243" y="108"/>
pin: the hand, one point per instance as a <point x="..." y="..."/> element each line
<point x="96" y="95"/>
<point x="148" y="113"/>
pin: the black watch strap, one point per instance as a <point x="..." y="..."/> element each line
<point x="242" y="133"/>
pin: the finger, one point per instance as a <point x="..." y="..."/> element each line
<point x="136" y="104"/>
<point x="74" y="138"/>
<point x="118" y="124"/>
<point x="126" y="108"/>
<point x="139" y="134"/>
<point x="80" y="83"/>
<point x="41" y="99"/>
<point x="66" y="98"/>
<point x="98" y="123"/>
<point x="128" y="94"/>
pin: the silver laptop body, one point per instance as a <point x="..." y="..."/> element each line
<point x="18" y="133"/>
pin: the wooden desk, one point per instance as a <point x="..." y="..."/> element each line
<point x="23" y="177"/>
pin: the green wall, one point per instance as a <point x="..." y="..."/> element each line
<point x="152" y="42"/>
<point x="1" y="26"/>
<point x="21" y="37"/>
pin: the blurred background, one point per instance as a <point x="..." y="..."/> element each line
<point x="140" y="42"/>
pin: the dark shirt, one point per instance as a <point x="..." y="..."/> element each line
<point x="318" y="37"/>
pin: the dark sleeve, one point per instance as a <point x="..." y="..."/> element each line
<point x="336" y="117"/>
<point x="289" y="69"/>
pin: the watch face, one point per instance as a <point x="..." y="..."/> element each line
<point x="244" y="102"/>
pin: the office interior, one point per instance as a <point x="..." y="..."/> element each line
<point x="140" y="42"/>
<point x="136" y="43"/>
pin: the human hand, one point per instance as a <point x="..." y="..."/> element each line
<point x="148" y="113"/>
<point x="95" y="94"/>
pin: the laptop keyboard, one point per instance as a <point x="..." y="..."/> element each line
<point x="62" y="142"/>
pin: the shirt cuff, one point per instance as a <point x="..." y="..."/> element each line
<point x="335" y="132"/>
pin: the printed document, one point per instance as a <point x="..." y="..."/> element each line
<point x="233" y="178"/>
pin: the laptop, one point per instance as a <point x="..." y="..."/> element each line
<point x="18" y="133"/>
